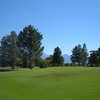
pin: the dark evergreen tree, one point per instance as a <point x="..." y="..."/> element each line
<point x="57" y="57"/>
<point x="94" y="59"/>
<point x="30" y="43"/>
<point x="9" y="50"/>
<point x="76" y="54"/>
<point x="79" y="55"/>
<point x="4" y="51"/>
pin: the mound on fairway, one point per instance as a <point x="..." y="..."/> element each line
<point x="58" y="83"/>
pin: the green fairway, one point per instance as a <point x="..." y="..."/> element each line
<point x="57" y="83"/>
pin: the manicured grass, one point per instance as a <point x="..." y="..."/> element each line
<point x="58" y="83"/>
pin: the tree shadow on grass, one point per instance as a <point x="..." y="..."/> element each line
<point x="6" y="70"/>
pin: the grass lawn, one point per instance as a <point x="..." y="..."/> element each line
<point x="58" y="83"/>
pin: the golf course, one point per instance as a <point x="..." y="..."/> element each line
<point x="54" y="83"/>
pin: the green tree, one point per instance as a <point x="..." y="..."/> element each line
<point x="94" y="58"/>
<point x="9" y="50"/>
<point x="4" y="51"/>
<point x="98" y="56"/>
<point x="84" y="55"/>
<point x="57" y="58"/>
<point x="30" y="43"/>
<point x="79" y="55"/>
<point x="13" y="49"/>
<point x="49" y="60"/>
<point x="24" y="61"/>
<point x="76" y="54"/>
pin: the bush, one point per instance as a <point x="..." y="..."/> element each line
<point x="67" y="64"/>
<point x="43" y="64"/>
<point x="73" y="64"/>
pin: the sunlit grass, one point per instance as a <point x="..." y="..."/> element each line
<point x="57" y="83"/>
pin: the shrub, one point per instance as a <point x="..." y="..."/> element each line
<point x="43" y="64"/>
<point x="67" y="64"/>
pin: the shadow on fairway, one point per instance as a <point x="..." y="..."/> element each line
<point x="6" y="70"/>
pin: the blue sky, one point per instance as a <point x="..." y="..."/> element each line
<point x="63" y="23"/>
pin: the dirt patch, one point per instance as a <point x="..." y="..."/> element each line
<point x="64" y="74"/>
<point x="59" y="74"/>
<point x="38" y="76"/>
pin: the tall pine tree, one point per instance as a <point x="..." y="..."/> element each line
<point x="30" y="43"/>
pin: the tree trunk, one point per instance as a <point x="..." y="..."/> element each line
<point x="13" y="60"/>
<point x="30" y="60"/>
<point x="30" y="63"/>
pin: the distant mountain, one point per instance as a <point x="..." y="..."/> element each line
<point x="66" y="58"/>
<point x="44" y="55"/>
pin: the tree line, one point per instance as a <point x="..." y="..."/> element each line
<point x="25" y="50"/>
<point x="79" y="57"/>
